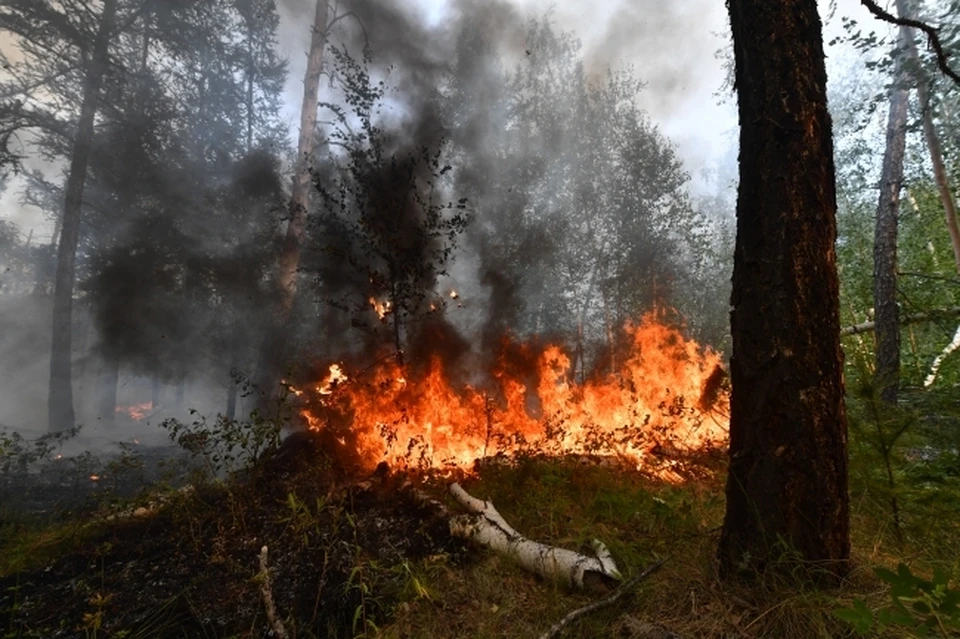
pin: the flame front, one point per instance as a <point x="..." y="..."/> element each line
<point x="136" y="411"/>
<point x="665" y="394"/>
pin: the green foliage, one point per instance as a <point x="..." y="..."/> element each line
<point x="228" y="445"/>
<point x="388" y="223"/>
<point x="17" y="454"/>
<point x="922" y="607"/>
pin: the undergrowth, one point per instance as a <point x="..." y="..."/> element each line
<point x="349" y="562"/>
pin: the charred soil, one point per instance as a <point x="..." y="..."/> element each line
<point x="339" y="555"/>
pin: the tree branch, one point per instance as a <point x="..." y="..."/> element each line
<point x="866" y="327"/>
<point x="609" y="600"/>
<point x="931" y="32"/>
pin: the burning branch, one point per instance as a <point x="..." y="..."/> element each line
<point x="488" y="527"/>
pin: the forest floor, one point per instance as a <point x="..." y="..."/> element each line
<point x="368" y="557"/>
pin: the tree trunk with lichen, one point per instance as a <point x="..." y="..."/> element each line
<point x="787" y="482"/>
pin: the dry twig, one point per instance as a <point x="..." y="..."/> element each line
<point x="609" y="600"/>
<point x="267" y="594"/>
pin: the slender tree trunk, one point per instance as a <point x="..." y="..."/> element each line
<point x="231" y="410"/>
<point x="109" y="379"/>
<point x="787" y="482"/>
<point x="397" y="328"/>
<point x="249" y="78"/>
<point x="887" y="313"/>
<point x="60" y="399"/>
<point x="275" y="341"/>
<point x="933" y="140"/>
<point x="300" y="198"/>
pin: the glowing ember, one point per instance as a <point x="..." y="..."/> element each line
<point x="94" y="477"/>
<point x="136" y="411"/>
<point x="382" y="308"/>
<point x="667" y="395"/>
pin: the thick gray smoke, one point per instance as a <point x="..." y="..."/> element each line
<point x="494" y="109"/>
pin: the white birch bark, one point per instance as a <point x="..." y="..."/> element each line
<point x="486" y="526"/>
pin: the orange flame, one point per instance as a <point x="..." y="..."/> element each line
<point x="665" y="395"/>
<point x="136" y="411"/>
<point x="382" y="308"/>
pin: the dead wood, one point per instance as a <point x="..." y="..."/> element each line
<point x="267" y="593"/>
<point x="487" y="527"/>
<point x="916" y="318"/>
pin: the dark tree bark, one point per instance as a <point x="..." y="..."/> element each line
<point x="787" y="481"/>
<point x="60" y="399"/>
<point x="887" y="312"/>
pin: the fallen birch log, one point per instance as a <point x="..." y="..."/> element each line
<point x="486" y="526"/>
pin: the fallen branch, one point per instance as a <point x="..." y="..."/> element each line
<point x="267" y="595"/>
<point x="916" y="318"/>
<point x="609" y="600"/>
<point x="487" y="526"/>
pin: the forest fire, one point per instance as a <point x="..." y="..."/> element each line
<point x="666" y="395"/>
<point x="135" y="412"/>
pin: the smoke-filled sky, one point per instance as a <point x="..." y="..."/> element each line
<point x="672" y="46"/>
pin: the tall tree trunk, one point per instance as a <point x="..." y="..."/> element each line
<point x="109" y="379"/>
<point x="60" y="399"/>
<point x="933" y="140"/>
<point x="300" y="198"/>
<point x="787" y="481"/>
<point x="274" y="348"/>
<point x="250" y="77"/>
<point x="887" y="312"/>
<point x="231" y="410"/>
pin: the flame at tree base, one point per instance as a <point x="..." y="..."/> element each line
<point x="668" y="393"/>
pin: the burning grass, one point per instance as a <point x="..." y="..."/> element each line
<point x="667" y="393"/>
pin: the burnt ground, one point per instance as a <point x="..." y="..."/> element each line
<point x="187" y="564"/>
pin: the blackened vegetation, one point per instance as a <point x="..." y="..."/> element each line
<point x="339" y="557"/>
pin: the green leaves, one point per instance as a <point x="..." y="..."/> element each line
<point x="924" y="607"/>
